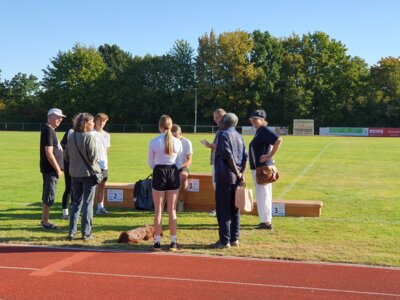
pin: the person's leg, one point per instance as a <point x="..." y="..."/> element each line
<point x="223" y="193"/>
<point x="171" y="197"/>
<point x="261" y="198"/>
<point x="66" y="198"/>
<point x="89" y="190"/>
<point x="183" y="176"/>
<point x="235" y="217"/>
<point x="100" y="194"/>
<point x="158" y="199"/>
<point x="50" y="181"/>
<point x="77" y="195"/>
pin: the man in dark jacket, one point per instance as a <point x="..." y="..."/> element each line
<point x="229" y="165"/>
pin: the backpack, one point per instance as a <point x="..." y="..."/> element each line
<point x="142" y="194"/>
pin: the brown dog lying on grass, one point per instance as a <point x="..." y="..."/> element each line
<point x="135" y="236"/>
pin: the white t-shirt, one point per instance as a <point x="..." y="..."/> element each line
<point x="157" y="155"/>
<point x="187" y="149"/>
<point x="103" y="142"/>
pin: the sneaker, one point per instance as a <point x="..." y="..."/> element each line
<point x="213" y="213"/>
<point x="102" y="211"/>
<point x="219" y="245"/>
<point x="157" y="247"/>
<point x="88" y="238"/>
<point x="235" y="243"/>
<point x="70" y="236"/>
<point x="173" y="247"/>
<point x="265" y="226"/>
<point x="48" y="225"/>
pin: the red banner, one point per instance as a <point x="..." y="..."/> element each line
<point x="383" y="131"/>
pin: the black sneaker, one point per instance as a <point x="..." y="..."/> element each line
<point x="173" y="247"/>
<point x="70" y="237"/>
<point x="157" y="246"/>
<point x="265" y="226"/>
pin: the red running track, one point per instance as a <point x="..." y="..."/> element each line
<point x="52" y="273"/>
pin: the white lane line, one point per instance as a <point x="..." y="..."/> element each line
<point x="304" y="172"/>
<point x="194" y="280"/>
<point x="231" y="283"/>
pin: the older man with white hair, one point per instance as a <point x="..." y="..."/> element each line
<point x="51" y="163"/>
<point x="229" y="166"/>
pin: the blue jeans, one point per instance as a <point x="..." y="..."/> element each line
<point x="83" y="191"/>
<point x="228" y="215"/>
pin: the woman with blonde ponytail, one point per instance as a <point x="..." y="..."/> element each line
<point x="163" y="152"/>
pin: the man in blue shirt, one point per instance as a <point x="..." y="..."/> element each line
<point x="229" y="166"/>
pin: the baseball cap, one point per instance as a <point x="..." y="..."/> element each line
<point x="56" y="111"/>
<point x="259" y="113"/>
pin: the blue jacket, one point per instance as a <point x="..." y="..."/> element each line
<point x="230" y="144"/>
<point x="260" y="145"/>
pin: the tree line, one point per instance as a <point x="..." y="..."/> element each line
<point x="296" y="77"/>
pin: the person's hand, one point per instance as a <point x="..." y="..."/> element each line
<point x="58" y="173"/>
<point x="265" y="157"/>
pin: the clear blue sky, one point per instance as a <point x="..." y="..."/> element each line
<point x="33" y="31"/>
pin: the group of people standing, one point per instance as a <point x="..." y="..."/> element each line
<point x="81" y="154"/>
<point x="229" y="160"/>
<point x="169" y="156"/>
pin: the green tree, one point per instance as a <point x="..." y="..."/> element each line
<point x="226" y="73"/>
<point x="20" y="98"/>
<point x="267" y="56"/>
<point x="71" y="82"/>
<point x="385" y="81"/>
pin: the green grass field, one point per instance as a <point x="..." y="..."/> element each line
<point x="356" y="178"/>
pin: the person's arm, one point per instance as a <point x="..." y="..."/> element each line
<point x="235" y="170"/>
<point x="274" y="150"/>
<point x="52" y="160"/>
<point x="150" y="157"/>
<point x="188" y="161"/>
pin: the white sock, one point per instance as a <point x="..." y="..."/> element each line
<point x="65" y="211"/>
<point x="157" y="239"/>
<point x="173" y="238"/>
<point x="99" y="205"/>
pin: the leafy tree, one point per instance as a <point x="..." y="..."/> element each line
<point x="267" y="56"/>
<point x="20" y="100"/>
<point x="71" y="82"/>
<point x="385" y="81"/>
<point x="182" y="67"/>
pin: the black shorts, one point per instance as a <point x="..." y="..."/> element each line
<point x="50" y="181"/>
<point x="165" y="178"/>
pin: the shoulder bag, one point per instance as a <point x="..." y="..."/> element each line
<point x="97" y="177"/>
<point x="265" y="174"/>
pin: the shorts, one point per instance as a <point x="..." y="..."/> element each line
<point x="104" y="172"/>
<point x="50" y="181"/>
<point x="165" y="178"/>
<point x="184" y="169"/>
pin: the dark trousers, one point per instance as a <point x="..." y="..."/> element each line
<point x="83" y="191"/>
<point x="228" y="215"/>
<point x="66" y="198"/>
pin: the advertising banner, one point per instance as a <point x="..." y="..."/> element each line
<point x="395" y="132"/>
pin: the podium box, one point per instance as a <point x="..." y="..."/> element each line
<point x="200" y="196"/>
<point x="119" y="195"/>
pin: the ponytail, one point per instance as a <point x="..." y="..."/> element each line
<point x="168" y="142"/>
<point x="165" y="123"/>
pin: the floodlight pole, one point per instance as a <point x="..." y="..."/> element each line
<point x="195" y="110"/>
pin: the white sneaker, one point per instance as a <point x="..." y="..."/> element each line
<point x="102" y="211"/>
<point x="213" y="213"/>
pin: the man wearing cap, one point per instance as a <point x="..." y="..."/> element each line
<point x="229" y="166"/>
<point x="51" y="163"/>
